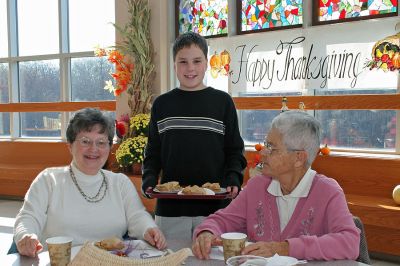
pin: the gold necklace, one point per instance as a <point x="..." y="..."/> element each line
<point x="97" y="197"/>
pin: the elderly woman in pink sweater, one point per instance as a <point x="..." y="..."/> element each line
<point x="289" y="209"/>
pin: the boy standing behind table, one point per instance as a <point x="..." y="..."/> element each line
<point x="194" y="138"/>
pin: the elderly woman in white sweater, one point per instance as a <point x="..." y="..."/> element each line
<point x="81" y="200"/>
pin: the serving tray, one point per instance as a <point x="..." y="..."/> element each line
<point x="160" y="195"/>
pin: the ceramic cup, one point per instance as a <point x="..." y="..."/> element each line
<point x="233" y="244"/>
<point x="59" y="250"/>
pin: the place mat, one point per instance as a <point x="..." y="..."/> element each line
<point x="89" y="254"/>
<point x="158" y="195"/>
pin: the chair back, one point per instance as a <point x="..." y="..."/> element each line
<point x="364" y="255"/>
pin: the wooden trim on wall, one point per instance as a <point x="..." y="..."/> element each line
<point x="336" y="102"/>
<point x="56" y="106"/>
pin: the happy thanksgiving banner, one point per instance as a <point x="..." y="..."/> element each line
<point x="293" y="64"/>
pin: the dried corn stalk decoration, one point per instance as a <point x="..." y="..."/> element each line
<point x="137" y="43"/>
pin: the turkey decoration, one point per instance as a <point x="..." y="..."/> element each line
<point x="219" y="63"/>
<point x="386" y="54"/>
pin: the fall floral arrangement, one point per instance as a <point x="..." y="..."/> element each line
<point x="133" y="75"/>
<point x="133" y="59"/>
<point x="131" y="149"/>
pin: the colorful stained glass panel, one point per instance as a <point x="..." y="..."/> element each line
<point x="266" y="14"/>
<point x="344" y="9"/>
<point x="206" y="17"/>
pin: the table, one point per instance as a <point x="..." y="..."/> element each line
<point x="174" y="244"/>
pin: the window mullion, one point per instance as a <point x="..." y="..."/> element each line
<point x="13" y="81"/>
<point x="65" y="62"/>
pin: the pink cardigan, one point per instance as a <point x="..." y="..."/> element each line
<point x="321" y="227"/>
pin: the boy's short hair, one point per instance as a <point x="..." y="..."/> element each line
<point x="186" y="40"/>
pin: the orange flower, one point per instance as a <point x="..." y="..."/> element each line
<point x="123" y="70"/>
<point x="100" y="51"/>
<point x="115" y="56"/>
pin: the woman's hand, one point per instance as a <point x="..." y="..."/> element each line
<point x="233" y="191"/>
<point x="156" y="238"/>
<point x="201" y="246"/>
<point x="29" y="245"/>
<point x="267" y="249"/>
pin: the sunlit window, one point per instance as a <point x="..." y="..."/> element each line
<point x="39" y="81"/>
<point x="51" y="44"/>
<point x="3" y="83"/>
<point x="41" y="124"/>
<point x="88" y="77"/>
<point x="3" y="29"/>
<point x="90" y="24"/>
<point x="38" y="27"/>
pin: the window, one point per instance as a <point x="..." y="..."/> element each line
<point x="3" y="29"/>
<point x="254" y="16"/>
<point x="52" y="63"/>
<point x="37" y="21"/>
<point x="208" y="18"/>
<point x="343" y="10"/>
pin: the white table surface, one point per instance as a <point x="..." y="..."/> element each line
<point x="174" y="244"/>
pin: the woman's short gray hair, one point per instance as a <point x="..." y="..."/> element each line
<point x="300" y="131"/>
<point x="85" y="119"/>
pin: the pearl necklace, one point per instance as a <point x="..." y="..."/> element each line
<point x="97" y="197"/>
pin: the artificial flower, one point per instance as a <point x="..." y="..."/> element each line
<point x="123" y="70"/>
<point x="121" y="128"/>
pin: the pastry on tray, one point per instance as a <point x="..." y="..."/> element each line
<point x="213" y="186"/>
<point x="169" y="187"/>
<point x="194" y="190"/>
<point x="111" y="243"/>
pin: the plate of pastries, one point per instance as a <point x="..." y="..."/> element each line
<point x="172" y="187"/>
<point x="173" y="190"/>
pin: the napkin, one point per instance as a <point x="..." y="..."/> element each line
<point x="140" y="249"/>
<point x="277" y="260"/>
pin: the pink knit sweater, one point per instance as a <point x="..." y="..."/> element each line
<point x="321" y="227"/>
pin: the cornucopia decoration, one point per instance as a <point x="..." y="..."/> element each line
<point x="386" y="54"/>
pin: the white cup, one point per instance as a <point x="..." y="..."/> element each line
<point x="233" y="244"/>
<point x="59" y="250"/>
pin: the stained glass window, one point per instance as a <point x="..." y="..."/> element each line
<point x="339" y="10"/>
<point x="206" y="17"/>
<point x="258" y="15"/>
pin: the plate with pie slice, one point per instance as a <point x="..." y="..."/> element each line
<point x="221" y="191"/>
<point x="197" y="191"/>
<point x="181" y="196"/>
<point x="166" y="192"/>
